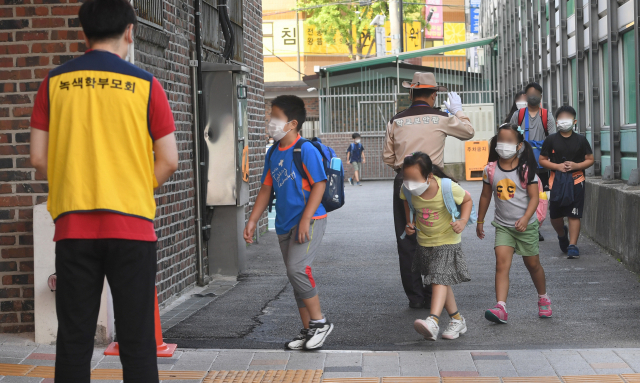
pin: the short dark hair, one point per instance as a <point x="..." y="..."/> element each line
<point x="533" y="85"/>
<point x="355" y="135"/>
<point x="106" y="19"/>
<point x="292" y="107"/>
<point x="566" y="109"/>
<point x="423" y="92"/>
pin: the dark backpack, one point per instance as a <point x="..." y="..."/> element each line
<point x="333" y="197"/>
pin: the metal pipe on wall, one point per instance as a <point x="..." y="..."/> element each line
<point x="199" y="130"/>
<point x="553" y="53"/>
<point x="594" y="77"/>
<point x="565" y="73"/>
<point x="614" y="92"/>
<point x="636" y="27"/>
<point x="580" y="57"/>
<point x="544" y="45"/>
<point x="535" y="12"/>
<point x="196" y="172"/>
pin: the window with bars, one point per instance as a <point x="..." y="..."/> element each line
<point x="149" y="10"/>
<point x="210" y="25"/>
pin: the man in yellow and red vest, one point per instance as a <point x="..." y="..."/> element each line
<point x="97" y="123"/>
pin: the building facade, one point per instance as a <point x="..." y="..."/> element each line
<point x="38" y="35"/>
<point x="583" y="53"/>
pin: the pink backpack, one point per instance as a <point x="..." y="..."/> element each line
<point x="543" y="202"/>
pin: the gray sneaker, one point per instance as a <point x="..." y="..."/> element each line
<point x="351" y="181"/>
<point x="317" y="334"/>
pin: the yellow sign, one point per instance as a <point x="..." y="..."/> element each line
<point x="412" y="36"/>
<point x="455" y="33"/>
<point x="315" y="43"/>
<point x="282" y="37"/>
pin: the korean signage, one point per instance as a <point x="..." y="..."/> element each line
<point x="474" y="13"/>
<point x="435" y="28"/>
<point x="280" y="37"/>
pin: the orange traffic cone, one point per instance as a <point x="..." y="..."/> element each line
<point x="164" y="349"/>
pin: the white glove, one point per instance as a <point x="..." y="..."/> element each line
<point x="454" y="103"/>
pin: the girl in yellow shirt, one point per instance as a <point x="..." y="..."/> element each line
<point x="439" y="258"/>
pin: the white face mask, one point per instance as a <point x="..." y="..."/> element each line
<point x="276" y="129"/>
<point x="521" y="104"/>
<point x="505" y="150"/>
<point x="271" y="141"/>
<point x="416" y="188"/>
<point x="565" y="125"/>
<point x="358" y="141"/>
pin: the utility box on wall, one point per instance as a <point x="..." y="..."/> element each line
<point x="227" y="145"/>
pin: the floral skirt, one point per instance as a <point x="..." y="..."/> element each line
<point x="441" y="265"/>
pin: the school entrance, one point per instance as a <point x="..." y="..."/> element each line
<point x="362" y="96"/>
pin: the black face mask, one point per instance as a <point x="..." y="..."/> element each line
<point x="534" y="100"/>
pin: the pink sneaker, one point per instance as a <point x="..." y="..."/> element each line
<point x="497" y="314"/>
<point x="544" y="308"/>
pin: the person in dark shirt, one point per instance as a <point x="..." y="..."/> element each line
<point x="567" y="151"/>
<point x="355" y="155"/>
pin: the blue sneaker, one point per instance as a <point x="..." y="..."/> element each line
<point x="573" y="252"/>
<point x="564" y="240"/>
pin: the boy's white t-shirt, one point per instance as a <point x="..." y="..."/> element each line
<point x="510" y="197"/>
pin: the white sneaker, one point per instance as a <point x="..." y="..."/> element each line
<point x="428" y="328"/>
<point x="298" y="342"/>
<point x="317" y="334"/>
<point x="455" y="328"/>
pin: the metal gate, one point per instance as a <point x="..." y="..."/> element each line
<point x="364" y="101"/>
<point x="372" y="124"/>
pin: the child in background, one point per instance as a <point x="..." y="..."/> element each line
<point x="567" y="151"/>
<point x="355" y="155"/>
<point x="515" y="185"/>
<point x="439" y="258"/>
<point x="300" y="217"/>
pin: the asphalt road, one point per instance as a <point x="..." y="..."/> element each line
<point x="595" y="300"/>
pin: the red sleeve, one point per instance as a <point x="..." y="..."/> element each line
<point x="40" y="113"/>
<point x="160" y="116"/>
<point x="267" y="179"/>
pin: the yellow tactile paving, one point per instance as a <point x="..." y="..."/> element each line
<point x="533" y="379"/>
<point x="409" y="379"/>
<point x="292" y="376"/>
<point x="470" y="379"/>
<point x="593" y="379"/>
<point x="234" y="377"/>
<point x="181" y="375"/>
<point x="631" y="378"/>
<point x="42" y="372"/>
<point x="15" y="369"/>
<point x="351" y="380"/>
<point x="106" y="374"/>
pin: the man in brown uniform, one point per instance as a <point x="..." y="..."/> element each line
<point x="420" y="128"/>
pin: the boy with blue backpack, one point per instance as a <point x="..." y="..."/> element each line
<point x="438" y="210"/>
<point x="299" y="174"/>
<point x="355" y="156"/>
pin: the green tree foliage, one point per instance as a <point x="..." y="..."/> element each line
<point x="347" y="22"/>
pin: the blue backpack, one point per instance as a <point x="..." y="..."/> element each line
<point x="449" y="202"/>
<point x="333" y="197"/>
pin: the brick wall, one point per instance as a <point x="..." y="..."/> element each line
<point x="166" y="55"/>
<point x="252" y="18"/>
<point x="35" y="36"/>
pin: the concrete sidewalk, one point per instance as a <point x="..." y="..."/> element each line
<point x="29" y="362"/>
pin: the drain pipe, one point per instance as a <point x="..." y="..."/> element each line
<point x="196" y="169"/>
